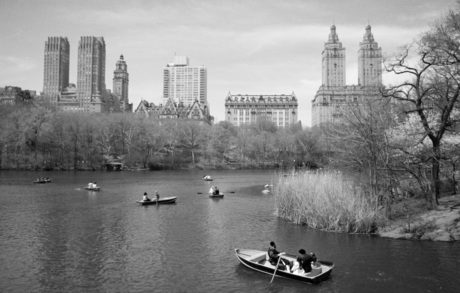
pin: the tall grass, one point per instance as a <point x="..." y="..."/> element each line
<point x="326" y="201"/>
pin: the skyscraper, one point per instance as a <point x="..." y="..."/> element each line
<point x="334" y="66"/>
<point x="183" y="83"/>
<point x="56" y="67"/>
<point x="91" y="73"/>
<point x="369" y="61"/>
<point x="334" y="95"/>
<point x="121" y="83"/>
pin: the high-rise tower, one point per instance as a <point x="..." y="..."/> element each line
<point x="184" y="83"/>
<point x="369" y="61"/>
<point x="121" y="82"/>
<point x="334" y="66"/>
<point x="334" y="95"/>
<point x="91" y="73"/>
<point x="56" y="67"/>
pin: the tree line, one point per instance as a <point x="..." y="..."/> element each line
<point x="32" y="137"/>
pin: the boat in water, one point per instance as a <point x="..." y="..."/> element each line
<point x="93" y="188"/>
<point x="164" y="200"/>
<point x="41" y="181"/>
<point x="212" y="195"/>
<point x="258" y="261"/>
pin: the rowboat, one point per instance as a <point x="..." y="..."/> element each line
<point x="208" y="179"/>
<point x="258" y="261"/>
<point x="220" y="195"/>
<point x="42" y="181"/>
<point x="93" y="188"/>
<point x="164" y="200"/>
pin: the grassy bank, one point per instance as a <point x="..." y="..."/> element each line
<point x="326" y="201"/>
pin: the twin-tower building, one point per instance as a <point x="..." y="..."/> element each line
<point x="334" y="94"/>
<point x="89" y="94"/>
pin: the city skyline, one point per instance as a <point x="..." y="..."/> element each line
<point x="248" y="47"/>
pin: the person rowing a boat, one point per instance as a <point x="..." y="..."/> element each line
<point x="274" y="255"/>
<point x="145" y="198"/>
<point x="216" y="190"/>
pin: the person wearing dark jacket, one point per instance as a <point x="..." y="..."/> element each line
<point x="274" y="255"/>
<point x="304" y="260"/>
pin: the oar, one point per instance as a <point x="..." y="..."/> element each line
<point x="277" y="264"/>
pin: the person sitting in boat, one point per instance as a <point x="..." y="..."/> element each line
<point x="145" y="198"/>
<point x="315" y="266"/>
<point x="305" y="260"/>
<point x="216" y="190"/>
<point x="297" y="269"/>
<point x="95" y="185"/>
<point x="211" y="190"/>
<point x="274" y="255"/>
<point x="157" y="195"/>
<point x="90" y="185"/>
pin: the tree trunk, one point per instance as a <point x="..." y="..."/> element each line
<point x="435" y="180"/>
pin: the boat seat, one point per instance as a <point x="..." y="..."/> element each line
<point x="259" y="258"/>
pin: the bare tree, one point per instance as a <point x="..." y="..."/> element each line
<point x="432" y="87"/>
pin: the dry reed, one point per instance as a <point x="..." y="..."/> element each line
<point x="326" y="201"/>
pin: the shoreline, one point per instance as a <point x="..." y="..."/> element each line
<point x="442" y="224"/>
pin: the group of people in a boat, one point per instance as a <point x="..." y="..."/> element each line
<point x="304" y="264"/>
<point x="43" y="179"/>
<point x="146" y="198"/>
<point x="214" y="190"/>
<point x="93" y="185"/>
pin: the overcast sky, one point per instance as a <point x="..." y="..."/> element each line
<point x="248" y="47"/>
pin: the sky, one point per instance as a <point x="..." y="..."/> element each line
<point x="248" y="46"/>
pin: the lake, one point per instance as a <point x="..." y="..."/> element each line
<point x="58" y="237"/>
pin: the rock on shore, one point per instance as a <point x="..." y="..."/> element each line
<point x="442" y="224"/>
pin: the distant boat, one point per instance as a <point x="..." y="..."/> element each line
<point x="40" y="181"/>
<point x="220" y="195"/>
<point x="257" y="260"/>
<point x="93" y="188"/>
<point x="207" y="178"/>
<point x="287" y="175"/>
<point x="164" y="200"/>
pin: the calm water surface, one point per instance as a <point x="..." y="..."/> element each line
<point x="59" y="237"/>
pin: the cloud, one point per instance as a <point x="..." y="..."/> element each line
<point x="17" y="64"/>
